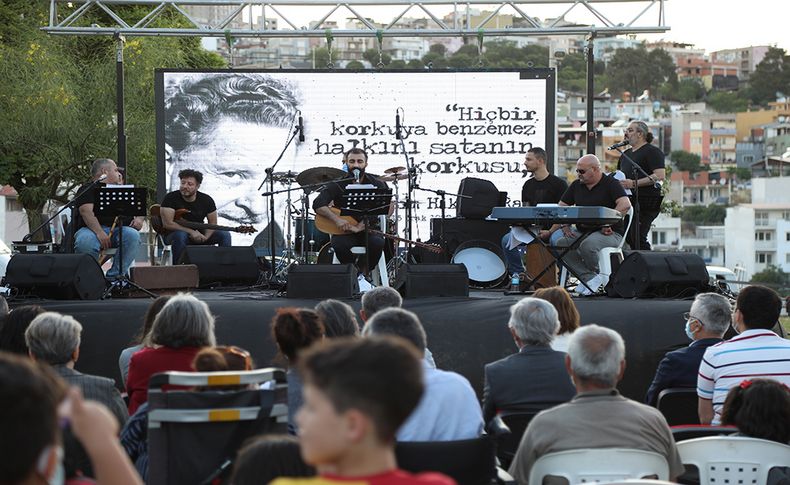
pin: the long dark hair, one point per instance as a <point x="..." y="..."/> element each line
<point x="759" y="408"/>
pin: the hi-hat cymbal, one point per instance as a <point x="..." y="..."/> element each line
<point x="319" y="175"/>
<point x="288" y="176"/>
<point x="393" y="170"/>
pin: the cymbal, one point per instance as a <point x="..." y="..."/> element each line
<point x="393" y="170"/>
<point x="288" y="176"/>
<point x="318" y="175"/>
<point x="394" y="176"/>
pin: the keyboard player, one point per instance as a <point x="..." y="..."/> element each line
<point x="591" y="188"/>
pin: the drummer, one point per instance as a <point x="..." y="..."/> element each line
<point x="542" y="188"/>
<point x="356" y="159"/>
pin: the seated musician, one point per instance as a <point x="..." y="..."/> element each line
<point x="201" y="208"/>
<point x="541" y="188"/>
<point x="100" y="233"/>
<point x="592" y="188"/>
<point x="353" y="234"/>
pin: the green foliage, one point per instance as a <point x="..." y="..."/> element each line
<point x="397" y="64"/>
<point x="372" y="56"/>
<point x="355" y="65"/>
<point x="684" y="160"/>
<point x="321" y="57"/>
<point x="636" y="69"/>
<point x="440" y="49"/>
<point x="772" y="75"/>
<point x="772" y="275"/>
<point x="741" y="173"/>
<point x="688" y="90"/>
<point x="434" y="60"/>
<point x="505" y="54"/>
<point x="415" y="64"/>
<point x="725" y="102"/>
<point x="699" y="214"/>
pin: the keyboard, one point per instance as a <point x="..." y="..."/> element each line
<point x="584" y="215"/>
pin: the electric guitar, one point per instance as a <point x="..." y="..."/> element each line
<point x="327" y="226"/>
<point x="158" y="226"/>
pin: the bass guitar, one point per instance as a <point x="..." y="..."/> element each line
<point x="327" y="226"/>
<point x="156" y="223"/>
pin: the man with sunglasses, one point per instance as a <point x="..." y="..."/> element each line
<point x="705" y="324"/>
<point x="592" y="188"/>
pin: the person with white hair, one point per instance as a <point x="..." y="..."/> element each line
<point x="54" y="339"/>
<point x="534" y="378"/>
<point x="598" y="417"/>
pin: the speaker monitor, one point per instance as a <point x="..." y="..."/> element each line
<point x="322" y="281"/>
<point x="483" y="196"/>
<point x="223" y="266"/>
<point x="429" y="280"/>
<point x="661" y="274"/>
<point x="56" y="276"/>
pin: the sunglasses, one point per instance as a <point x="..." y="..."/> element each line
<point x="581" y="171"/>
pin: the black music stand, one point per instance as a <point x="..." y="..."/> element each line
<point x="120" y="202"/>
<point x="362" y="203"/>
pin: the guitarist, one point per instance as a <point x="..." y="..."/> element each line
<point x="201" y="209"/>
<point x="356" y="159"/>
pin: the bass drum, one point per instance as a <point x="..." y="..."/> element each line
<point x="326" y="254"/>
<point x="485" y="262"/>
<point x="311" y="233"/>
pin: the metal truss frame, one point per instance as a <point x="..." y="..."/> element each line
<point x="68" y="17"/>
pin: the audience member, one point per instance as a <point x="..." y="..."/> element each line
<point x="137" y="340"/>
<point x="339" y="319"/>
<point x="12" y="332"/>
<point x="755" y="352"/>
<point x="357" y="394"/>
<point x="567" y="312"/>
<point x="535" y="378"/>
<point x="295" y="329"/>
<point x="3" y="307"/>
<point x="134" y="436"/>
<point x="30" y="412"/>
<point x="54" y="339"/>
<point x="265" y="458"/>
<point x="705" y="323"/>
<point x="180" y="330"/>
<point x="378" y="299"/>
<point x="598" y="417"/>
<point x="448" y="409"/>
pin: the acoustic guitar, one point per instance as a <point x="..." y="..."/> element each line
<point x="327" y="226"/>
<point x="156" y="223"/>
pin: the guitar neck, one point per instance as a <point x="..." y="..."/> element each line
<point x="429" y="247"/>
<point x="200" y="225"/>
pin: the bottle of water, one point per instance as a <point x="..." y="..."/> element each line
<point x="514" y="282"/>
<point x="312" y="256"/>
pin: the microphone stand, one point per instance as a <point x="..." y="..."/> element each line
<point x="410" y="186"/>
<point x="442" y="205"/>
<point x="272" y="221"/>
<point x="636" y="170"/>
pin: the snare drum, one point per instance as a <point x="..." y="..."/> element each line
<point x="485" y="262"/>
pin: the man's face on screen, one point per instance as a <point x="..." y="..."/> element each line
<point x="233" y="163"/>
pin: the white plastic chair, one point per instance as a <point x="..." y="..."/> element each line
<point x="379" y="273"/>
<point x="599" y="465"/>
<point x="733" y="459"/>
<point x="605" y="254"/>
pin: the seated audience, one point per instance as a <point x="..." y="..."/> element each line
<point x="567" y="312"/>
<point x="12" y="331"/>
<point x="755" y="352"/>
<point x="534" y="378"/>
<point x="180" y="330"/>
<point x="295" y="329"/>
<point x="267" y="457"/>
<point x="30" y="416"/>
<point x="339" y="319"/>
<point x="134" y="436"/>
<point x="54" y="339"/>
<point x="3" y="307"/>
<point x="357" y="393"/>
<point x="598" y="417"/>
<point x="448" y="409"/>
<point x="137" y="341"/>
<point x="705" y="323"/>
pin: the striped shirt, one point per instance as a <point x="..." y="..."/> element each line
<point x="755" y="353"/>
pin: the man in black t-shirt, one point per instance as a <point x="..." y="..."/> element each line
<point x="93" y="233"/>
<point x="356" y="159"/>
<point x="592" y="188"/>
<point x="201" y="209"/>
<point x="541" y="188"/>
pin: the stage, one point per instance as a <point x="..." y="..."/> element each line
<point x="463" y="333"/>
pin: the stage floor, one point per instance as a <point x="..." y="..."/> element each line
<point x="463" y="333"/>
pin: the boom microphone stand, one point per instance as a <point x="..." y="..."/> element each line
<point x="636" y="170"/>
<point x="409" y="181"/>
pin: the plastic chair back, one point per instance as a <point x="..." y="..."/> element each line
<point x="507" y="445"/>
<point x="468" y="462"/>
<point x="600" y="465"/>
<point x="691" y="431"/>
<point x="733" y="459"/>
<point x="678" y="405"/>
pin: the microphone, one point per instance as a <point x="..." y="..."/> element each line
<point x="397" y="124"/>
<point x="356" y="175"/>
<point x="301" y="128"/>
<point x="102" y="177"/>
<point x="618" y="145"/>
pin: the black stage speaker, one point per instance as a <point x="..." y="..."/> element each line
<point x="223" y="266"/>
<point x="484" y="197"/>
<point x="322" y="281"/>
<point x="428" y="280"/>
<point x="659" y="274"/>
<point x="56" y="276"/>
<point x="458" y="231"/>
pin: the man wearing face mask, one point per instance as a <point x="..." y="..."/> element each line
<point x="706" y="322"/>
<point x="331" y="196"/>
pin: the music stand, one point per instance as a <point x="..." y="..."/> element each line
<point x="121" y="201"/>
<point x="363" y="202"/>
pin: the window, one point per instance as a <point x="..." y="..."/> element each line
<point x="764" y="258"/>
<point x="659" y="237"/>
<point x="786" y="215"/>
<point x="714" y="252"/>
<point x="695" y="125"/>
<point x="763" y="236"/>
<point x="748" y="159"/>
<point x="787" y="258"/>
<point x="13" y="205"/>
<point x="760" y="218"/>
<point x="787" y="236"/>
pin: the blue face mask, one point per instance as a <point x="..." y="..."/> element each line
<point x="689" y="333"/>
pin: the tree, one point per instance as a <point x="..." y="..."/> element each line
<point x="397" y="64"/>
<point x="415" y="64"/>
<point x="724" y="102"/>
<point x="434" y="60"/>
<point x="700" y="214"/>
<point x="355" y="65"/>
<point x="771" y="76"/>
<point x="688" y="90"/>
<point x="321" y="58"/>
<point x="636" y="69"/>
<point x="439" y="49"/>
<point x="684" y="160"/>
<point x="372" y="56"/>
<point x="772" y="275"/>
